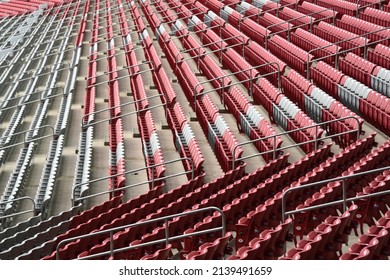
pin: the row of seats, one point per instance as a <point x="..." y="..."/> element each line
<point x="321" y="193"/>
<point x="325" y="169"/>
<point x="234" y="201"/>
<point x="318" y="12"/>
<point x="361" y="99"/>
<point x="370" y="209"/>
<point x="376" y="16"/>
<point x="345" y="39"/>
<point x="185" y="140"/>
<point x="340" y="6"/>
<point x="215" y="250"/>
<point x="374" y="244"/>
<point x="380" y="55"/>
<point x="23" y="239"/>
<point x="378" y="33"/>
<point x="321" y="107"/>
<point x="220" y="197"/>
<point x="268" y="245"/>
<point x="133" y="236"/>
<point x="366" y="72"/>
<point x="16" y="181"/>
<point x="17" y="8"/>
<point x="326" y="239"/>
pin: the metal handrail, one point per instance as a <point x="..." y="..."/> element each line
<point x="261" y="12"/>
<point x="338" y="51"/>
<point x="125" y="114"/>
<point x="83" y="122"/>
<point x="269" y="32"/>
<point x="153" y="180"/>
<point x="167" y="239"/>
<point x="29" y="94"/>
<point x="315" y="140"/>
<point x="221" y="50"/>
<point x="122" y="77"/>
<point x="18" y="213"/>
<point x="196" y="94"/>
<point x="114" y="35"/>
<point x="169" y="22"/>
<point x="362" y="7"/>
<point x="28" y="141"/>
<point x="123" y="50"/>
<point x="344" y="188"/>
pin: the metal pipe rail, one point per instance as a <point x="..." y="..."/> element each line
<point x="104" y="34"/>
<point x="344" y="188"/>
<point x="68" y="48"/>
<point x="177" y="6"/>
<point x="338" y="52"/>
<point x="83" y="123"/>
<point x="386" y="83"/>
<point x="221" y="50"/>
<point x="39" y="75"/>
<point x="62" y="35"/>
<point x="123" y="68"/>
<point x="3" y="217"/>
<point x="117" y="53"/>
<point x="315" y="140"/>
<point x="66" y="4"/>
<point x="312" y="21"/>
<point x="360" y="7"/>
<point x="33" y="101"/>
<point x="289" y="25"/>
<point x="29" y="141"/>
<point x="250" y="80"/>
<point x="261" y="12"/>
<point x="126" y="114"/>
<point x="194" y="32"/>
<point x="153" y="180"/>
<point x="61" y="8"/>
<point x="167" y="238"/>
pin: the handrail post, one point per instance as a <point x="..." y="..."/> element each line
<point x="250" y="83"/>
<point x="274" y="150"/>
<point x="220" y="53"/>
<point x="166" y="232"/>
<point x="112" y="244"/>
<point x="344" y="194"/>
<point x="152" y="178"/>
<point x="223" y="91"/>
